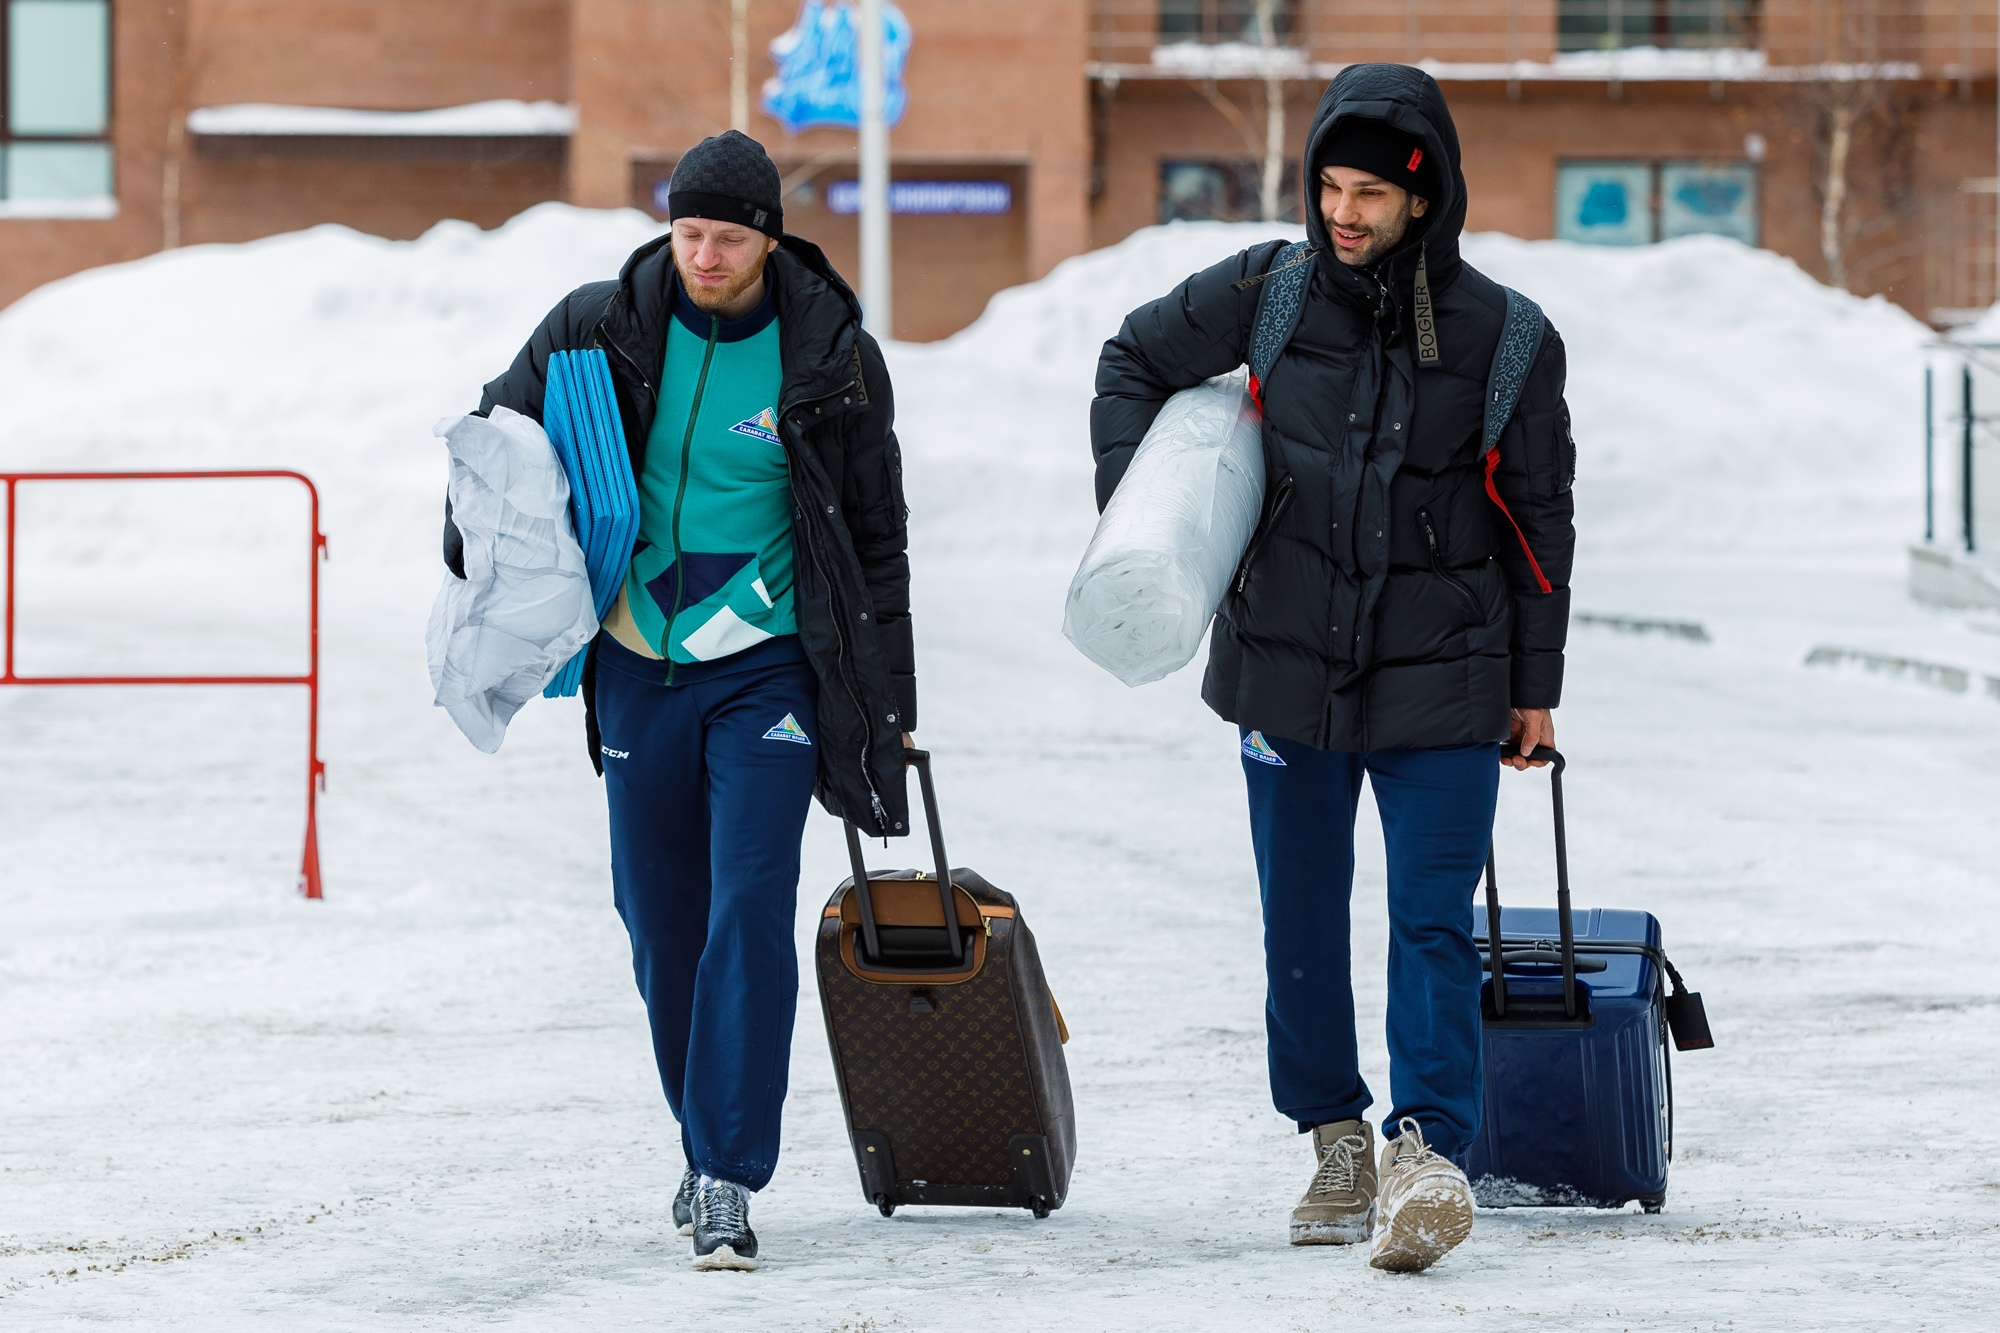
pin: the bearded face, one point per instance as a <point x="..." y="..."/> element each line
<point x="1366" y="216"/>
<point x="721" y="264"/>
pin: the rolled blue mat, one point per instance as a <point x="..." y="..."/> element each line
<point x="580" y="414"/>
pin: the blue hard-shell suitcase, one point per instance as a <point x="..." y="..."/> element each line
<point x="1579" y="1100"/>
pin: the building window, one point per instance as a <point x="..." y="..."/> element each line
<point x="1608" y="25"/>
<point x="1224" y="21"/>
<point x="1222" y="190"/>
<point x="55" y="102"/>
<point x="1639" y="202"/>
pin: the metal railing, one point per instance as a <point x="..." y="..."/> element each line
<point x="309" y="879"/>
<point x="1962" y="445"/>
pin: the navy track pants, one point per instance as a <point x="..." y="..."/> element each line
<point x="709" y="780"/>
<point x="1437" y="822"/>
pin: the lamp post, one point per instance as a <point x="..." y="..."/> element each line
<point x="875" y="286"/>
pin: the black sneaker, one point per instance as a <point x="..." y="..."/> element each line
<point x="684" y="1202"/>
<point x="722" y="1234"/>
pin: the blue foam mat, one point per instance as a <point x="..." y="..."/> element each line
<point x="580" y="414"/>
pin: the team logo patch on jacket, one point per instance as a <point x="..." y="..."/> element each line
<point x="789" y="730"/>
<point x="1256" y="747"/>
<point x="763" y="426"/>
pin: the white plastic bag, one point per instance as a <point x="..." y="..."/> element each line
<point x="1172" y="536"/>
<point x="523" y="608"/>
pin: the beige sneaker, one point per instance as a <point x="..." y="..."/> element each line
<point x="1426" y="1205"/>
<point x="1339" y="1205"/>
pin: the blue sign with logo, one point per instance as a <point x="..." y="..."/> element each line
<point x="932" y="198"/>
<point x="819" y="67"/>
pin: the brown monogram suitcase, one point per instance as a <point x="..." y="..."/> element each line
<point x="947" y="1044"/>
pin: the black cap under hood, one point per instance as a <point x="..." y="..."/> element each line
<point x="1411" y="101"/>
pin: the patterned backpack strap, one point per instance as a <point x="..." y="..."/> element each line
<point x="1278" y="307"/>
<point x="1520" y="344"/>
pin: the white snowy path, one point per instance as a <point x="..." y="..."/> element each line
<point x="428" y="1101"/>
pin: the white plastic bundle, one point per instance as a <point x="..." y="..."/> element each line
<point x="1172" y="536"/>
<point x="523" y="608"/>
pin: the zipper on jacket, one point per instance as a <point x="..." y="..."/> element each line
<point x="1284" y="498"/>
<point x="1438" y="565"/>
<point x="680" y="493"/>
<point x="812" y="525"/>
<point x="611" y="344"/>
<point x="846" y="681"/>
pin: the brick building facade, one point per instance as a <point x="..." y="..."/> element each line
<point x="1035" y="129"/>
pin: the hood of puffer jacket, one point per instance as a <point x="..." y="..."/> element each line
<point x="1410" y="100"/>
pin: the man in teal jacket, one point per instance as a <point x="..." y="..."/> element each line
<point x="759" y="648"/>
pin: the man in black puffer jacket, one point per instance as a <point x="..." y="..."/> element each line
<point x="758" y="649"/>
<point x="1400" y="612"/>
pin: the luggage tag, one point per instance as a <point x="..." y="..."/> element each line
<point x="1687" y="1019"/>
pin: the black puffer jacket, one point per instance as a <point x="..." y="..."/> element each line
<point x="1386" y="601"/>
<point x="836" y="417"/>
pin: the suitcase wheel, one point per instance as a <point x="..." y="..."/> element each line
<point x="1039" y="1206"/>
<point x="889" y="1209"/>
<point x="1653" y="1203"/>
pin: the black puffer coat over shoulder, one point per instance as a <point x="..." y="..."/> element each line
<point x="837" y="420"/>
<point x="1391" y="597"/>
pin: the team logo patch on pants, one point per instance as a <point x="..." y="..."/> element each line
<point x="789" y="730"/>
<point x="1256" y="747"/>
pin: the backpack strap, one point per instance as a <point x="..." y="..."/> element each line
<point x="1278" y="307"/>
<point x="1520" y="343"/>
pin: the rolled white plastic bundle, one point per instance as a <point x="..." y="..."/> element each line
<point x="523" y="608"/>
<point x="1170" y="540"/>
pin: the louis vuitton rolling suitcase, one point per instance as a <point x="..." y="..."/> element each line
<point x="1579" y="1095"/>
<point x="946" y="1043"/>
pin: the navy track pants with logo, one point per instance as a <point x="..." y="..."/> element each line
<point x="1437" y="822"/>
<point x="709" y="781"/>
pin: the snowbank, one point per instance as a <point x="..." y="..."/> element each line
<point x="325" y="350"/>
<point x="1727" y="407"/>
<point x="1726" y="404"/>
<point x="507" y="119"/>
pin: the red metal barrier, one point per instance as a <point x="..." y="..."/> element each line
<point x="309" y="882"/>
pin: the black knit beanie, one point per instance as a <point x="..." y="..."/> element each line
<point x="728" y="177"/>
<point x="1381" y="150"/>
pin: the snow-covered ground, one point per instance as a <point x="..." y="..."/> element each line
<point x="429" y="1101"/>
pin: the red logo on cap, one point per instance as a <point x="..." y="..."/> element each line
<point x="1416" y="156"/>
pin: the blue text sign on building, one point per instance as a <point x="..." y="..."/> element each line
<point x="819" y="67"/>
<point x="933" y="198"/>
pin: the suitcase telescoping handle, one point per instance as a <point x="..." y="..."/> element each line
<point x="1563" y="923"/>
<point x="865" y="906"/>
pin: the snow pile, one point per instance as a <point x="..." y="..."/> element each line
<point x="1052" y="329"/>
<point x="1655" y="62"/>
<point x="1726" y="405"/>
<point x="508" y="118"/>
<point x="1982" y="332"/>
<point x="1219" y="60"/>
<point x="325" y="350"/>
